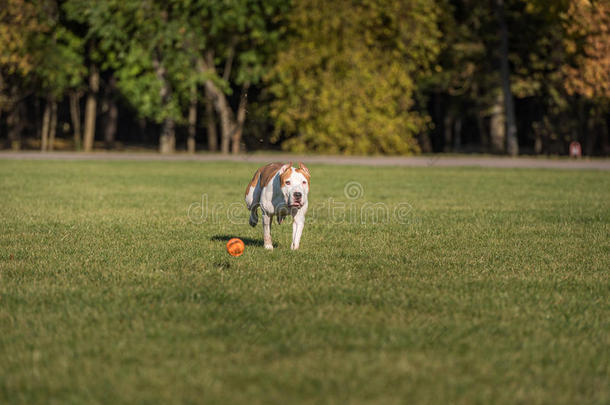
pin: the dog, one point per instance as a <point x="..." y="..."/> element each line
<point x="280" y="190"/>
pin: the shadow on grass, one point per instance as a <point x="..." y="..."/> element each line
<point x="247" y="241"/>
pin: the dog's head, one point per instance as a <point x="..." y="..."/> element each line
<point x="295" y="184"/>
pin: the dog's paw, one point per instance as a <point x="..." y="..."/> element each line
<point x="269" y="247"/>
<point x="294" y="247"/>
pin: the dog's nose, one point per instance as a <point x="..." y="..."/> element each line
<point x="298" y="195"/>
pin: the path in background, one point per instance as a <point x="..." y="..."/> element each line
<point x="419" y="161"/>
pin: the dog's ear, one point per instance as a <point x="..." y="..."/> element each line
<point x="285" y="167"/>
<point x="304" y="169"/>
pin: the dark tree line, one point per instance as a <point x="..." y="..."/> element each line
<point x="348" y="76"/>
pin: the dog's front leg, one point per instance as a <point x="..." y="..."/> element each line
<point x="298" y="223"/>
<point x="267" y="219"/>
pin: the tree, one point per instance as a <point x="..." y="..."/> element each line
<point x="161" y="52"/>
<point x="466" y="82"/>
<point x="59" y="66"/>
<point x="234" y="44"/>
<point x="39" y="55"/>
<point x="138" y="41"/>
<point x="566" y="67"/>
<point x="484" y="74"/>
<point x="346" y="80"/>
<point x="91" y="107"/>
<point x="512" y="146"/>
<point x="19" y="23"/>
<point x="587" y="74"/>
<point x="588" y="43"/>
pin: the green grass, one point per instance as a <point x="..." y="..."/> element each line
<point x="492" y="288"/>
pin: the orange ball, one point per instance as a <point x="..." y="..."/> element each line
<point x="235" y="247"/>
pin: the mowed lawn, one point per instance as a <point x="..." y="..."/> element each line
<point x="412" y="285"/>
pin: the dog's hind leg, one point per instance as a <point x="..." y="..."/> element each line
<point x="253" y="191"/>
<point x="253" y="215"/>
<point x="253" y="196"/>
<point x="253" y="202"/>
<point x="267" y="220"/>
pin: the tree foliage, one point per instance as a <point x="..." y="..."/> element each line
<point x="140" y="42"/>
<point x="348" y="76"/>
<point x="588" y="43"/>
<point x="346" y="81"/>
<point x="161" y="50"/>
<point x="18" y="23"/>
<point x="58" y="54"/>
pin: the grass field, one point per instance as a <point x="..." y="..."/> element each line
<point x="460" y="286"/>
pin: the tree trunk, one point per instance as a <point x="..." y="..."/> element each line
<point x="457" y="134"/>
<point x="512" y="145"/>
<point x="221" y="104"/>
<point x="604" y="138"/>
<point x="190" y="142"/>
<point x="238" y="127"/>
<point x="15" y="125"/>
<point x="591" y="134"/>
<point x="167" y="141"/>
<point x="53" y="124"/>
<point x="210" y="122"/>
<point x="75" y="116"/>
<point x="112" y="114"/>
<point x="236" y="140"/>
<point x="91" y="109"/>
<point x="38" y="120"/>
<point x="46" y="121"/>
<point x="111" y="125"/>
<point x="497" y="127"/>
<point x="142" y="133"/>
<point x="447" y="131"/>
<point x="424" y="142"/>
<point x="483" y="136"/>
<point x="537" y="142"/>
<point x="582" y="113"/>
<point x="438" y="119"/>
<point x="231" y="128"/>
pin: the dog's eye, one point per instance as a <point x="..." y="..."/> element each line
<point x="287" y="182"/>
<point x="304" y="182"/>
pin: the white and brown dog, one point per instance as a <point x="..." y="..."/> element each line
<point x="279" y="189"/>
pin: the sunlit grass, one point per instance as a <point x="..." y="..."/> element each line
<point x="492" y="287"/>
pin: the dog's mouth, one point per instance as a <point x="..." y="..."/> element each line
<point x="296" y="204"/>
